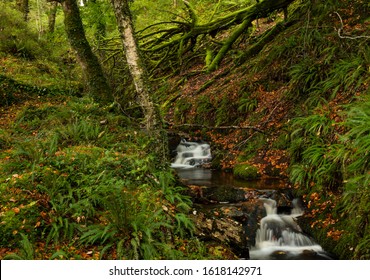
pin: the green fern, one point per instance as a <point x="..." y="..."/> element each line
<point x="26" y="250"/>
<point x="247" y="104"/>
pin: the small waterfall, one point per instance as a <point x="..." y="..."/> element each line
<point x="279" y="237"/>
<point x="191" y="154"/>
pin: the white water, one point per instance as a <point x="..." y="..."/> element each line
<point x="280" y="235"/>
<point x="191" y="154"/>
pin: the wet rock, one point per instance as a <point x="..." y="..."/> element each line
<point x="224" y="194"/>
<point x="222" y="229"/>
<point x="173" y="140"/>
<point x="220" y="194"/>
<point x="279" y="255"/>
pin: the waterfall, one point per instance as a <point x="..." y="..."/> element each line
<point x="191" y="154"/>
<point x="280" y="237"/>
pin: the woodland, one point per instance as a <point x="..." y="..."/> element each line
<point x="94" y="92"/>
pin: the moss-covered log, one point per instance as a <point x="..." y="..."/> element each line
<point x="228" y="43"/>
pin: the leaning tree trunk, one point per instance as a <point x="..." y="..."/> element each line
<point x="135" y="64"/>
<point x="94" y="78"/>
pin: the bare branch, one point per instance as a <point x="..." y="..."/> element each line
<point x="347" y="37"/>
<point x="220" y="127"/>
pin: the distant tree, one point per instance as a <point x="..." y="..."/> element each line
<point x="24" y="7"/>
<point x="94" y="77"/>
<point x="51" y="16"/>
<point x="135" y="63"/>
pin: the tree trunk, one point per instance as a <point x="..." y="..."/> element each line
<point x="24" y="8"/>
<point x="95" y="81"/>
<point x="51" y="16"/>
<point x="135" y="64"/>
<point x="261" y="9"/>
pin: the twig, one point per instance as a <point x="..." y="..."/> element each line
<point x="347" y="37"/>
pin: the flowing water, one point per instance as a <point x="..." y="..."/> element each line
<point x="278" y="235"/>
<point x="192" y="154"/>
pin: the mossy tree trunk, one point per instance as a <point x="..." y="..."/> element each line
<point x="179" y="40"/>
<point x="24" y="7"/>
<point x="94" y="78"/>
<point x="259" y="10"/>
<point x="136" y="67"/>
<point x="52" y="16"/>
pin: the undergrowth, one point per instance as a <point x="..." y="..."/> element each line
<point x="77" y="176"/>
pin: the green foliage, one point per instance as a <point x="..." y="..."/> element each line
<point x="359" y="136"/>
<point x="91" y="184"/>
<point x="138" y="220"/>
<point x="250" y="147"/>
<point x="311" y="141"/>
<point x="324" y="163"/>
<point x="225" y="113"/>
<point x="282" y="142"/>
<point x="247" y="104"/>
<point x="26" y="250"/>
<point x="182" y="109"/>
<point x="204" y="110"/>
<point x="5" y="139"/>
<point x="17" y="39"/>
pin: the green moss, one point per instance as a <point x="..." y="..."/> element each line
<point x="246" y="171"/>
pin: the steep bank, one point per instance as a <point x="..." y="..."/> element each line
<point x="297" y="109"/>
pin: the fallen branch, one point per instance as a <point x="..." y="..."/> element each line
<point x="347" y="37"/>
<point x="219" y="127"/>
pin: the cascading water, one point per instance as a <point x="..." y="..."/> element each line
<point x="191" y="154"/>
<point x="279" y="237"/>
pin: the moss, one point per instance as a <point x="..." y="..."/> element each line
<point x="246" y="171"/>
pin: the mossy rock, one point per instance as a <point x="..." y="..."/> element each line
<point x="246" y="171"/>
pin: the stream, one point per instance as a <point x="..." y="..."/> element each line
<point x="266" y="209"/>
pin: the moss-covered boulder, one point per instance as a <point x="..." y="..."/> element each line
<point x="246" y="171"/>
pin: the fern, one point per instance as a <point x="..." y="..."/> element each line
<point x="247" y="104"/>
<point x="26" y="250"/>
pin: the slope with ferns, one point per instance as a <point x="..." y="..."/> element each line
<point x="291" y="98"/>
